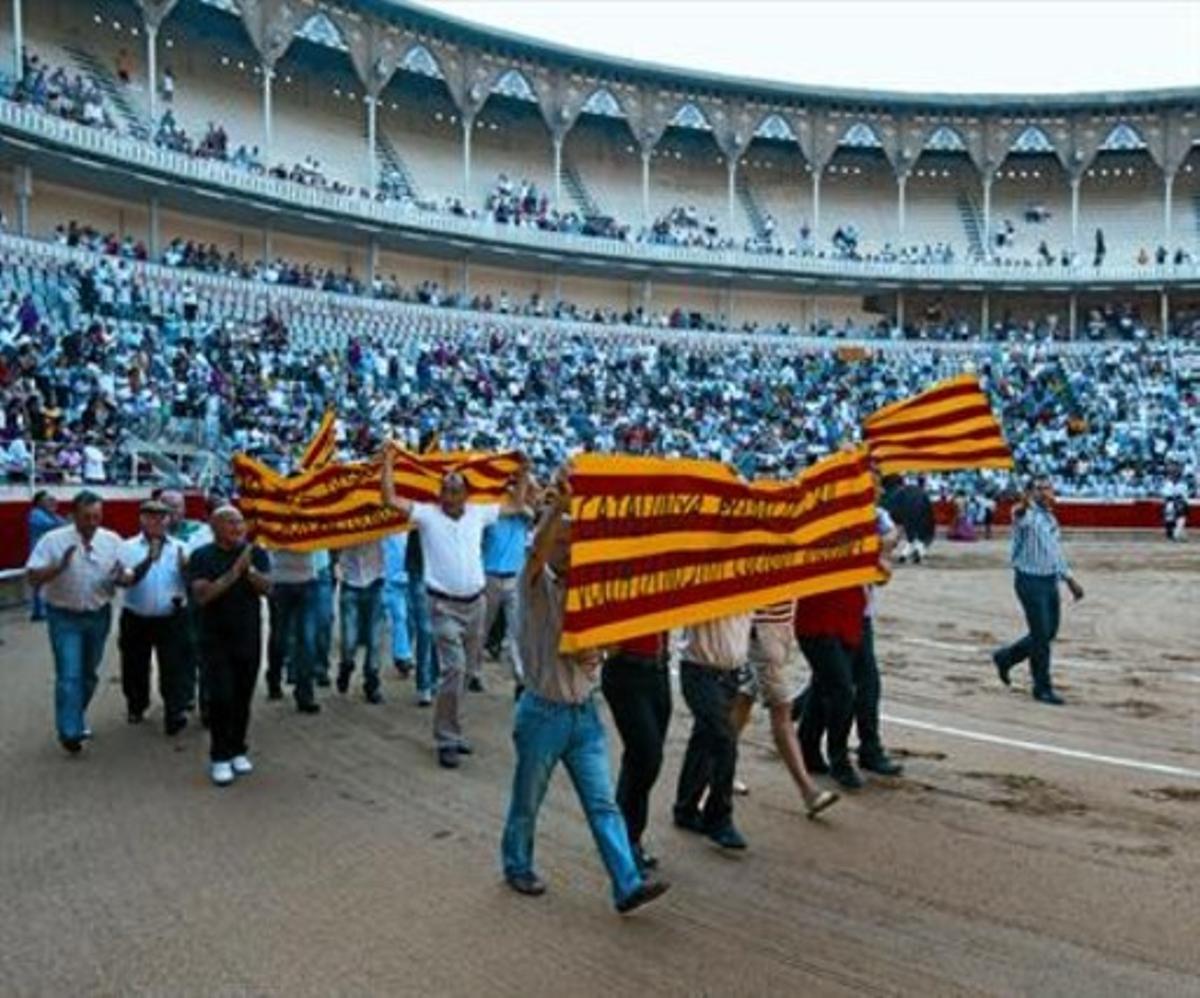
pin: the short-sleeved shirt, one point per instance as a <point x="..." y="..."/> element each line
<point x="395" y="551"/>
<point x="540" y="609"/>
<point x="504" y="545"/>
<point x="453" y="549"/>
<point x="163" y="589"/>
<point x="87" y="584"/>
<point x="362" y="564"/>
<point x="293" y="567"/>
<point x="720" y="644"/>
<point x="235" y="615"/>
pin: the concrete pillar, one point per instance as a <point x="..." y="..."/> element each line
<point x="647" y="294"/>
<point x="901" y="183"/>
<point x="268" y="74"/>
<point x="466" y="277"/>
<point x="1072" y="315"/>
<point x="816" y="207"/>
<point x="646" y="186"/>
<point x="1168" y="192"/>
<point x="900" y="311"/>
<point x="23" y="191"/>
<point x="557" y="287"/>
<point x="268" y="250"/>
<point x="18" y="39"/>
<point x="372" y="261"/>
<point x="468" y="122"/>
<point x="985" y="319"/>
<point x="732" y="191"/>
<point x="987" y="216"/>
<point x="372" y="168"/>
<point x="1075" y="215"/>
<point x="1164" y="313"/>
<point x="558" y="144"/>
<point x="152" y="237"/>
<point x="152" y="75"/>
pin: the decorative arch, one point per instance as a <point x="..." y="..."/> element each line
<point x="421" y="62"/>
<point x="860" y="135"/>
<point x="945" y="138"/>
<point x="1032" y="139"/>
<point x="321" y="30"/>
<point x="776" y="128"/>
<point x="1123" y="138"/>
<point x="515" y="84"/>
<point x="604" y="103"/>
<point x="688" y="115"/>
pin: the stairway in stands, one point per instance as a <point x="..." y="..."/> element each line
<point x="972" y="224"/>
<point x="577" y="191"/>
<point x="1196" y="217"/>
<point x="392" y="164"/>
<point x="750" y="205"/>
<point x="116" y="94"/>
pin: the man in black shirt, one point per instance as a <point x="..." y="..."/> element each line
<point x="228" y="579"/>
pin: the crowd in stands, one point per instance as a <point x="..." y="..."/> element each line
<point x="65" y="95"/>
<point x="523" y="204"/>
<point x="89" y="351"/>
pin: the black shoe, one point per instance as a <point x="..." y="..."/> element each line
<point x="403" y="667"/>
<point x="308" y="707"/>
<point x="517" y="691"/>
<point x="373" y="696"/>
<point x="204" y="717"/>
<point x="274" y="692"/>
<point x="644" y="860"/>
<point x="529" y="884"/>
<point x="475" y="684"/>
<point x="1050" y="697"/>
<point x="815" y="762"/>
<point x="72" y="745"/>
<point x="322" y="680"/>
<point x="135" y="716"/>
<point x="690" y="821"/>
<point x="174" y="725"/>
<point x="343" y="679"/>
<point x="845" y="775"/>
<point x="465" y="748"/>
<point x="448" y="757"/>
<point x="1002" y="670"/>
<point x="880" y="763"/>
<point x="648" y="892"/>
<point x="728" y="837"/>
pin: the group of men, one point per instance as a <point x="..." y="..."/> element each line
<point x="193" y="594"/>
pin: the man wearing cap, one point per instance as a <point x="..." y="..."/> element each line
<point x="154" y="619"/>
<point x="78" y="566"/>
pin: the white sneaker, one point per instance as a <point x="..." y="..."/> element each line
<point x="242" y="765"/>
<point x="222" y="774"/>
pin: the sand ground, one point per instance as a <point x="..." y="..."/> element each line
<point x="348" y="863"/>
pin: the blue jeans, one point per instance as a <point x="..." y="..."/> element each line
<point x="362" y="614"/>
<point x="77" y="641"/>
<point x="324" y="621"/>
<point x="544" y="733"/>
<point x="422" y="626"/>
<point x="296" y="621"/>
<point x="1040" y="600"/>
<point x="395" y="599"/>
<point x="37" y="609"/>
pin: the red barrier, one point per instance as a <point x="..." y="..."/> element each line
<point x="1089" y="514"/>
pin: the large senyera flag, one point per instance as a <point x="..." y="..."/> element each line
<point x="658" y="543"/>
<point x="339" y="505"/>
<point x="945" y="428"/>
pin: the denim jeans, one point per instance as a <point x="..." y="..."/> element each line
<point x="422" y="626"/>
<point x="395" y="600"/>
<point x="37" y="607"/>
<point x="324" y="621"/>
<point x="77" y="641"/>
<point x="362" y="614"/>
<point x="1040" y="601"/>
<point x="294" y="626"/>
<point x="545" y="732"/>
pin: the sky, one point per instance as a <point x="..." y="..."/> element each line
<point x="951" y="46"/>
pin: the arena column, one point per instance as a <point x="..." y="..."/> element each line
<point x="1168" y="192"/>
<point x="371" y="101"/>
<point x="1164" y="312"/>
<point x="901" y="184"/>
<point x="988" y="176"/>
<point x="23" y="191"/>
<point x="468" y="122"/>
<point x="268" y="74"/>
<point x="984" y="318"/>
<point x="816" y="204"/>
<point x="558" y="147"/>
<point x="1072" y="315"/>
<point x="1076" y="178"/>
<point x="646" y="153"/>
<point x="18" y="39"/>
<point x="733" y="165"/>
<point x="152" y="74"/>
<point x="153" y="230"/>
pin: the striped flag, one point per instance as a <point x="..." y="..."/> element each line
<point x="319" y="451"/>
<point x="946" y="428"/>
<point x="340" y="504"/>
<point x="658" y="543"/>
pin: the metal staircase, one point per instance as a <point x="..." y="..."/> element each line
<point x="577" y="191"/>
<point x="115" y="93"/>
<point x="391" y="164"/>
<point x="972" y="225"/>
<point x="750" y="205"/>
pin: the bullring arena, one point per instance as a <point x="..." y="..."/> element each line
<point x="250" y="247"/>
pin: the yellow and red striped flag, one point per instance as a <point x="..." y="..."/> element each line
<point x="658" y="543"/>
<point x="319" y="451"/>
<point x="948" y="427"/>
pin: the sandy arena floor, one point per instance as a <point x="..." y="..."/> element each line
<point x="1027" y="849"/>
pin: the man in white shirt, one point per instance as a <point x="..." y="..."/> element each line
<point x="451" y="538"/>
<point x="77" y="566"/>
<point x="361" y="607"/>
<point x="154" y="619"/>
<point x="292" y="646"/>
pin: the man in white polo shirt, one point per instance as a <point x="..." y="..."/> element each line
<point x="77" y="566"/>
<point x="451" y="538"/>
<point x="154" y="619"/>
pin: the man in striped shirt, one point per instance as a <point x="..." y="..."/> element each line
<point x="1038" y="562"/>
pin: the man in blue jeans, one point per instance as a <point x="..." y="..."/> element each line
<point x="1039" y="565"/>
<point x="556" y="720"/>
<point x="293" y="628"/>
<point x="361" y="606"/>
<point x="395" y="601"/>
<point x="78" y="567"/>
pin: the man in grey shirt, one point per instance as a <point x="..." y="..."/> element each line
<point x="556" y="720"/>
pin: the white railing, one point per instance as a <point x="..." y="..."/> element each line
<point x="135" y="154"/>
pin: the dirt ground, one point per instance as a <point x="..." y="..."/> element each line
<point x="1026" y="850"/>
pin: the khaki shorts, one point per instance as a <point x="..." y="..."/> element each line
<point x="773" y="673"/>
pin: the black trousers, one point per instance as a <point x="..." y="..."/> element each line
<point x="232" y="672"/>
<point x="1043" y="609"/>
<point x="864" y="674"/>
<point x="138" y="638"/>
<point x="829" y="709"/>
<point x="711" y="756"/>
<point x="638" y="692"/>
